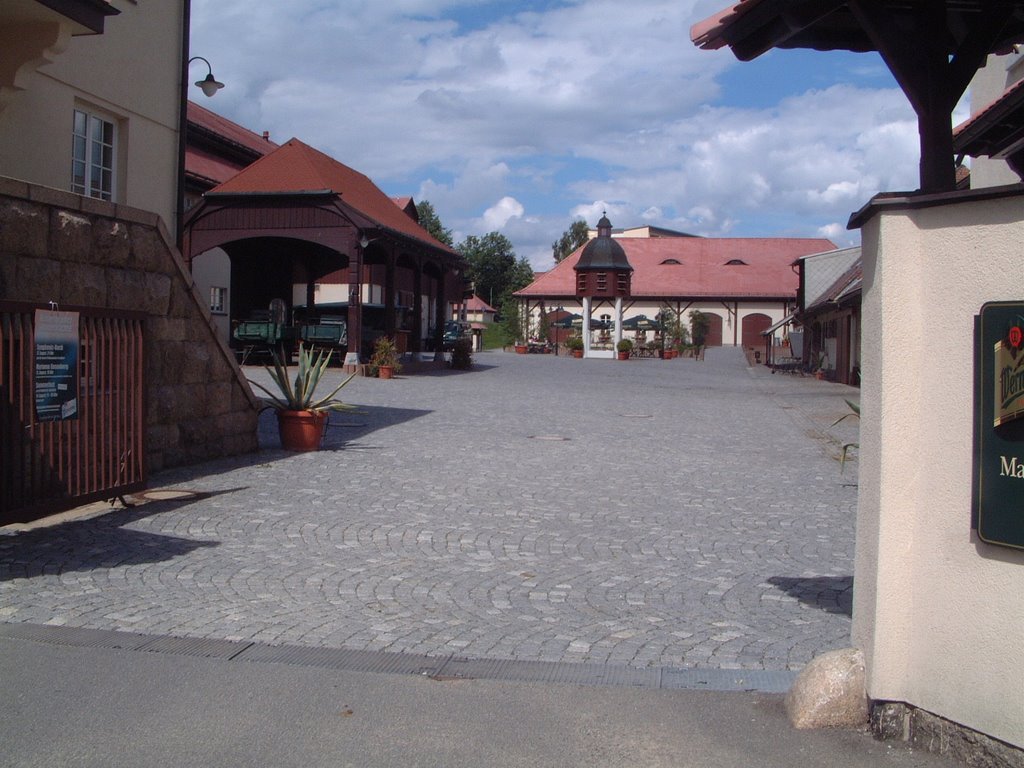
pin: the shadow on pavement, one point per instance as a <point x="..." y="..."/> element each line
<point x="833" y="594"/>
<point x="95" y="543"/>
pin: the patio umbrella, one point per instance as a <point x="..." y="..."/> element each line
<point x="641" y="323"/>
<point x="569" y="321"/>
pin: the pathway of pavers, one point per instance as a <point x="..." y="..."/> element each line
<point x="647" y="513"/>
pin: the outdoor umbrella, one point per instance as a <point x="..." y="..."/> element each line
<point x="569" y="321"/>
<point x="641" y="323"/>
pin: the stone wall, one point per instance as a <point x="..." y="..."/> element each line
<point x="80" y="252"/>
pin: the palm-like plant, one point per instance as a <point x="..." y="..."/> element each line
<point x="300" y="394"/>
<point x="855" y="408"/>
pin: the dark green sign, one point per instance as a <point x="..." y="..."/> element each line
<point x="998" y="505"/>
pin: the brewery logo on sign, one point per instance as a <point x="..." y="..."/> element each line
<point x="1009" y="375"/>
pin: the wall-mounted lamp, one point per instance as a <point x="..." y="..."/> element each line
<point x="209" y="84"/>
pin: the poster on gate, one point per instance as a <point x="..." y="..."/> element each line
<point x="55" y="376"/>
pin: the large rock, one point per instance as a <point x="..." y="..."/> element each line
<point x="831" y="692"/>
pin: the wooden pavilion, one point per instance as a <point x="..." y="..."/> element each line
<point x="297" y="217"/>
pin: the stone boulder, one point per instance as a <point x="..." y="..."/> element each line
<point x="831" y="692"/>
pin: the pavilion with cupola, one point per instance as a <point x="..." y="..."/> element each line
<point x="603" y="274"/>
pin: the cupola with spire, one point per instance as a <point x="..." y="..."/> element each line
<point x="603" y="271"/>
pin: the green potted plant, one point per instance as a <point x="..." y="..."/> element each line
<point x="462" y="354"/>
<point x="385" y="357"/>
<point x="575" y="345"/>
<point x="624" y="347"/>
<point x="301" y="413"/>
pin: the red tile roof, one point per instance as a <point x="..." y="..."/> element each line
<point x="703" y="270"/>
<point x="476" y="304"/>
<point x="298" y="167"/>
<point x="223" y="149"/>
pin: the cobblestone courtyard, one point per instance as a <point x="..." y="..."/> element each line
<point x="648" y="513"/>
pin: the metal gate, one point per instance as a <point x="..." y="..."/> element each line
<point x="46" y="467"/>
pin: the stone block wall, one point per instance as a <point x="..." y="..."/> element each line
<point x="80" y="252"/>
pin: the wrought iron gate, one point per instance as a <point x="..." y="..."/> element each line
<point x="46" y="467"/>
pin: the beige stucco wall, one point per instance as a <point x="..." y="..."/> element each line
<point x="131" y="73"/>
<point x="939" y="615"/>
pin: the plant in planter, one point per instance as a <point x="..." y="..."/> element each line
<point x="462" y="354"/>
<point x="301" y="413"/>
<point x="575" y="345"/>
<point x="624" y="347"/>
<point x="385" y="357"/>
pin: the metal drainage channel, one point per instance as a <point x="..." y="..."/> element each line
<point x="434" y="667"/>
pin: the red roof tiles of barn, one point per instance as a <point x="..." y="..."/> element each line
<point x="298" y="167"/>
<point x="703" y="269"/>
<point x="206" y="163"/>
<point x="226" y="129"/>
<point x="475" y="304"/>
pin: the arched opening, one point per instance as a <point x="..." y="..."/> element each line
<point x="751" y="329"/>
<point x="714" y="337"/>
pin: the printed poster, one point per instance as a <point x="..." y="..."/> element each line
<point x="56" y="365"/>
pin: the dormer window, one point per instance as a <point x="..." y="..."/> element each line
<point x="736" y="263"/>
<point x="674" y="262"/>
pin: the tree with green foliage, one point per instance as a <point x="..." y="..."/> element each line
<point x="429" y="221"/>
<point x="700" y="324"/>
<point x="575" y="236"/>
<point x="493" y="267"/>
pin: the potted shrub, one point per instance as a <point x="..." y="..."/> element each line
<point x="385" y="357"/>
<point x="575" y="345"/>
<point x="462" y="354"/>
<point x="301" y="413"/>
<point x="624" y="347"/>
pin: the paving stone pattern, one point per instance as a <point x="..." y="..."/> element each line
<point x="642" y="513"/>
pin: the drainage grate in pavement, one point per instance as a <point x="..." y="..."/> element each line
<point x="435" y="667"/>
<point x="761" y="680"/>
<point x="77" y="637"/>
<point x="195" y="646"/>
<point x="347" y="659"/>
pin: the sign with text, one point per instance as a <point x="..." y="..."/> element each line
<point x="998" y="497"/>
<point x="56" y="365"/>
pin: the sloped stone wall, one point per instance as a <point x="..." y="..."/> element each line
<point x="80" y="252"/>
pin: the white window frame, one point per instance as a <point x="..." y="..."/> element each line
<point x="218" y="300"/>
<point x="94" y="155"/>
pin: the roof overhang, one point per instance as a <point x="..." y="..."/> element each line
<point x="90" y="14"/>
<point x="753" y="27"/>
<point x="932" y="47"/>
<point x="997" y="131"/>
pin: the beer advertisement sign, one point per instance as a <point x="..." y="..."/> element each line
<point x="998" y="493"/>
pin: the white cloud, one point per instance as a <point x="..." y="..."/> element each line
<point x="498" y="215"/>
<point x="574" y="110"/>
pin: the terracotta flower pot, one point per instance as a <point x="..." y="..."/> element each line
<point x="386" y="372"/>
<point x="623" y="355"/>
<point x="301" y="430"/>
<point x="521" y="349"/>
<point x="577" y="353"/>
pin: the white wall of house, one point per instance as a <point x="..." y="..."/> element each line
<point x="938" y="614"/>
<point x="211" y="272"/>
<point x="995" y="77"/>
<point x="731" y="313"/>
<point x="100" y="75"/>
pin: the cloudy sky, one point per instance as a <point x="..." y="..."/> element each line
<point x="519" y="116"/>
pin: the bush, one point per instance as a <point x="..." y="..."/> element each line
<point x="462" y="354"/>
<point x="625" y="345"/>
<point x="574" y="342"/>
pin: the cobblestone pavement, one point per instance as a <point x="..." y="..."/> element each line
<point x="648" y="513"/>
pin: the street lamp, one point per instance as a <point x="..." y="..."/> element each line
<point x="209" y="84"/>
